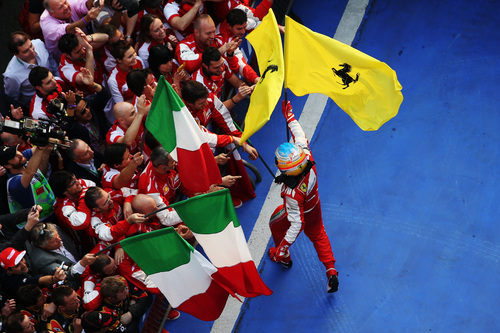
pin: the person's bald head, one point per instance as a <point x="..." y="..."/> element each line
<point x="204" y="30"/>
<point x="144" y="204"/>
<point x="124" y="113"/>
<point x="60" y="9"/>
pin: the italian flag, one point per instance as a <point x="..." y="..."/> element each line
<point x="212" y="219"/>
<point x="186" y="278"/>
<point x="174" y="127"/>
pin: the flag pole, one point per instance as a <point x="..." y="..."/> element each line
<point x="156" y="211"/>
<point x="286" y="90"/>
<point x="145" y="216"/>
<point x="286" y="124"/>
<point x="106" y="248"/>
<point x="144" y="139"/>
<point x="260" y="157"/>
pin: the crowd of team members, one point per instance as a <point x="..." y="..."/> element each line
<point x="65" y="203"/>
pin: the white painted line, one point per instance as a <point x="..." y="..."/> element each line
<point x="311" y="114"/>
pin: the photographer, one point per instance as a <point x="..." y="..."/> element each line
<point x="16" y="270"/>
<point x="55" y="109"/>
<point x="52" y="248"/>
<point x="27" y="185"/>
<point x="47" y="89"/>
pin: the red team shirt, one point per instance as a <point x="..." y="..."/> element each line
<point x="216" y="111"/>
<point x="117" y="83"/>
<point x="75" y="215"/>
<point x="69" y="70"/>
<point x="108" y="174"/>
<point x="38" y="105"/>
<point x="224" y="36"/>
<point x="165" y="185"/>
<point x="173" y="9"/>
<point x="189" y="53"/>
<point x="213" y="83"/>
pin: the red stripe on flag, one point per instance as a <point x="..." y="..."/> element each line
<point x="198" y="169"/>
<point x="243" y="279"/>
<point x="207" y="306"/>
<point x="243" y="188"/>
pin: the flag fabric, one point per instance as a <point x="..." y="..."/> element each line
<point x="364" y="87"/>
<point x="174" y="127"/>
<point x="243" y="188"/>
<point x="184" y="276"/>
<point x="266" y="41"/>
<point x="213" y="221"/>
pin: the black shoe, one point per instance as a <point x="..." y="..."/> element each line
<point x="333" y="284"/>
<point x="286" y="264"/>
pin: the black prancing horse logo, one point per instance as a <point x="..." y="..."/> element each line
<point x="343" y="74"/>
<point x="272" y="68"/>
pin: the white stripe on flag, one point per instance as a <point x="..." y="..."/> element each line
<point x="226" y="248"/>
<point x="186" y="281"/>
<point x="188" y="133"/>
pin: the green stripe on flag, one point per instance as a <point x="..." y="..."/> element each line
<point x="158" y="251"/>
<point x="208" y="213"/>
<point x="160" y="120"/>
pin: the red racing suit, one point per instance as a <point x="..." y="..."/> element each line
<point x="301" y="209"/>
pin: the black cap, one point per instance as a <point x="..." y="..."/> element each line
<point x="7" y="153"/>
<point x="94" y="321"/>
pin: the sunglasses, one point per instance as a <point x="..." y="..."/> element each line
<point x="43" y="233"/>
<point x="84" y="109"/>
<point x="44" y="229"/>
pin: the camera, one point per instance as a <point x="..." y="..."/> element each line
<point x="39" y="132"/>
<point x="132" y="6"/>
<point x="57" y="108"/>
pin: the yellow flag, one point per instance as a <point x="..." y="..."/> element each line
<point x="266" y="41"/>
<point x="364" y="87"/>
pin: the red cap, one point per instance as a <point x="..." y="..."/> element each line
<point x="10" y="257"/>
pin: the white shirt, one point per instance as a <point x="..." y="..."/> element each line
<point x="16" y="83"/>
<point x="89" y="166"/>
<point x="77" y="268"/>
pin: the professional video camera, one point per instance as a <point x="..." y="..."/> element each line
<point x="39" y="132"/>
<point x="57" y="108"/>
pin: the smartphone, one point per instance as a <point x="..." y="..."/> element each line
<point x="96" y="3"/>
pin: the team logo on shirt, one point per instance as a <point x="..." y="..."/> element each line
<point x="343" y="74"/>
<point x="303" y="187"/>
<point x="55" y="326"/>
